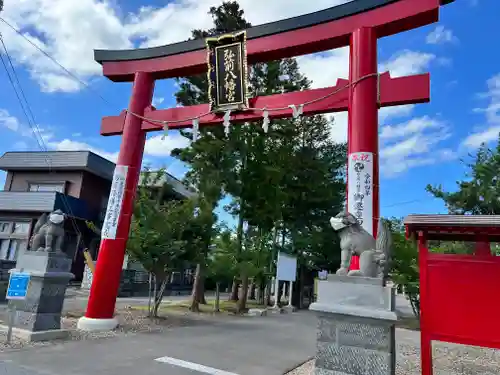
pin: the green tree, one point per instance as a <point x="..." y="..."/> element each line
<point x="405" y="272"/>
<point x="157" y="237"/>
<point x="263" y="172"/>
<point x="221" y="262"/>
<point x="479" y="192"/>
<point x="208" y="158"/>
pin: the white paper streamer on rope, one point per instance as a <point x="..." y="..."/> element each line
<point x="165" y="131"/>
<point x="265" y="121"/>
<point x="227" y="123"/>
<point x="296" y="112"/>
<point x="196" y="125"/>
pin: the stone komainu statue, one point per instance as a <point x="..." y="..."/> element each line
<point x="48" y="233"/>
<point x="374" y="255"/>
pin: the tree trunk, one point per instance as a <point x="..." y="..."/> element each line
<point x="201" y="287"/>
<point x="159" y="296"/>
<point x="150" y="295"/>
<point x="262" y="289"/>
<point x="234" y="290"/>
<point x="300" y="285"/>
<point x="279" y="291"/>
<point x="271" y="263"/>
<point x="195" y="306"/>
<point x="252" y="291"/>
<point x="239" y="240"/>
<point x="217" y="298"/>
<point x="242" y="302"/>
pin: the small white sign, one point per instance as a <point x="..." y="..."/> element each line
<point x="360" y="188"/>
<point x="115" y="202"/>
<point x="287" y="267"/>
<point x="323" y="275"/>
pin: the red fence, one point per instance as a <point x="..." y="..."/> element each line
<point x="458" y="293"/>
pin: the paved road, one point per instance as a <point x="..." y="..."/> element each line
<point x="247" y="346"/>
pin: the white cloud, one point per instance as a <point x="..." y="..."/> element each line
<point x="157" y="100"/>
<point x="70" y="145"/>
<point x="490" y="131"/>
<point x="475" y="140"/>
<point x="406" y="63"/>
<point x="9" y="121"/>
<point x="159" y="146"/>
<point x="70" y="31"/>
<point x="392" y="112"/>
<point x="415" y="125"/>
<point x="413" y="143"/>
<point x="324" y="69"/>
<point x="441" y="35"/>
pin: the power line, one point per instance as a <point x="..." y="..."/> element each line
<point x="32" y="123"/>
<point x="24" y="105"/>
<point x="46" y="54"/>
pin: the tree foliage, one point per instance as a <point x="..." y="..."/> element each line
<point x="283" y="185"/>
<point x="405" y="272"/>
<point x="161" y="235"/>
<point x="478" y="193"/>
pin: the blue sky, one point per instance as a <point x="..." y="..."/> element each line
<point x="419" y="144"/>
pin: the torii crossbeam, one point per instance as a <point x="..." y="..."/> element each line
<point x="393" y="91"/>
<point x="358" y="24"/>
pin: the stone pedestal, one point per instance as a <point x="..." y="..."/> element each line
<point x="356" y="327"/>
<point x="38" y="317"/>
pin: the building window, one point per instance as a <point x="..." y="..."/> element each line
<point x="21" y="228"/>
<point x="14" y="236"/>
<point x="4" y="226"/>
<point x="59" y="187"/>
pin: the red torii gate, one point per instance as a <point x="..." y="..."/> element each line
<point x="358" y="24"/>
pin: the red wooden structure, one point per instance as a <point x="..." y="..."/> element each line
<point x="358" y="24"/>
<point x="458" y="293"/>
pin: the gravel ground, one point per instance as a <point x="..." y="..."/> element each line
<point x="131" y="321"/>
<point x="448" y="359"/>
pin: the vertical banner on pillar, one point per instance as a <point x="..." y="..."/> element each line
<point x="360" y="188"/>
<point x="114" y="203"/>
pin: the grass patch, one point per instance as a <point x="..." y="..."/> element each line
<point x="411" y="323"/>
<point x="73" y="314"/>
<point x="183" y="306"/>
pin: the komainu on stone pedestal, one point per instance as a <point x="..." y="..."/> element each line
<point x="356" y="327"/>
<point x="38" y="316"/>
<point x="48" y="233"/>
<point x="374" y="255"/>
<point x="356" y="314"/>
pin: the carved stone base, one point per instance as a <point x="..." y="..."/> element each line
<point x="356" y="327"/>
<point x="41" y="310"/>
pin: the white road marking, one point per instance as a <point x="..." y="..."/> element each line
<point x="193" y="366"/>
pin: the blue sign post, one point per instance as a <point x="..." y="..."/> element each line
<point x="18" y="285"/>
<point x="17" y="290"/>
